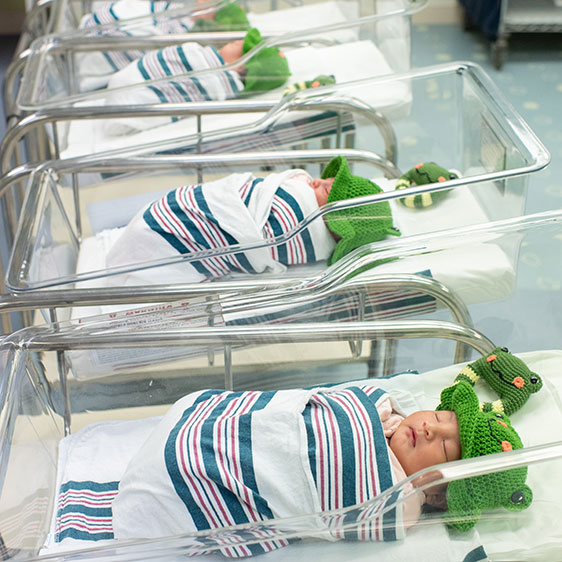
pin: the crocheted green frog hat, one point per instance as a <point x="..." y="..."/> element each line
<point x="423" y="174"/>
<point x="359" y="225"/>
<point x="507" y="375"/>
<point x="229" y="17"/>
<point x="482" y="433"/>
<point x="267" y="69"/>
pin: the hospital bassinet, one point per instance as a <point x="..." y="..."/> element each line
<point x="87" y="59"/>
<point x="455" y="116"/>
<point x="437" y="108"/>
<point x="55" y="16"/>
<point x="475" y="132"/>
<point x="36" y="409"/>
<point x="334" y="50"/>
<point x="457" y="270"/>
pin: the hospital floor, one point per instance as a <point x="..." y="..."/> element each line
<point x="531" y="80"/>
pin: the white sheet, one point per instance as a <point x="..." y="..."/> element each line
<point x="347" y="61"/>
<point x="318" y="15"/>
<point x="80" y="458"/>
<point x="113" y="441"/>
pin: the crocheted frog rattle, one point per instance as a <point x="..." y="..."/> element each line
<point x="321" y="80"/>
<point x="422" y="174"/>
<point x="482" y="433"/>
<point x="507" y="375"/>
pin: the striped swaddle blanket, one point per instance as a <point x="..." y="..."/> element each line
<point x="220" y="458"/>
<point x="91" y="463"/>
<point x="237" y="210"/>
<point x="122" y="10"/>
<point x="175" y="61"/>
<point x="110" y="14"/>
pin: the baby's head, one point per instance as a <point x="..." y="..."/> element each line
<point x="424" y="439"/>
<point x="229" y="17"/>
<point x="458" y="429"/>
<point x="266" y="70"/>
<point x="482" y="433"/>
<point x="355" y="226"/>
<point x="321" y="188"/>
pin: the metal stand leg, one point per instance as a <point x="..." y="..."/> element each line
<point x="228" y="376"/>
<point x="384" y="366"/>
<point x="389" y="365"/>
<point x="499" y="52"/>
<point x="63" y="378"/>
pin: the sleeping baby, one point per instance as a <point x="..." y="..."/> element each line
<point x="265" y="70"/>
<point x="228" y="17"/>
<point x="221" y="458"/>
<point x="242" y="209"/>
<point x="226" y="458"/>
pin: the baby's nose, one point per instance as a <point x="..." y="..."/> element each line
<point x="429" y="430"/>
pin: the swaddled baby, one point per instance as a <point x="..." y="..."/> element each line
<point x="221" y="458"/>
<point x="265" y="70"/>
<point x="147" y="18"/>
<point x="242" y="209"/>
<point x="226" y="458"/>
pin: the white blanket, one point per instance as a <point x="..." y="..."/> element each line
<point x="87" y="487"/>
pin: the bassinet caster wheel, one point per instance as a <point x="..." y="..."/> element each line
<point x="499" y="52"/>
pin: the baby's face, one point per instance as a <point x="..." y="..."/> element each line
<point x="426" y="438"/>
<point x="232" y="51"/>
<point x="321" y="189"/>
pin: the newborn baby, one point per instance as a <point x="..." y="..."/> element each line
<point x="265" y="70"/>
<point x="224" y="458"/>
<point x="242" y="209"/>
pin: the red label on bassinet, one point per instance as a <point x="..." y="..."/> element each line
<point x="194" y="312"/>
<point x="197" y="312"/>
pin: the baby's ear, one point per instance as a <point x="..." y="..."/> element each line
<point x="436" y="499"/>
<point x="520" y="499"/>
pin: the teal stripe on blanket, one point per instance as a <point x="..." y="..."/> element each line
<point x="476" y="555"/>
<point x="84" y="510"/>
